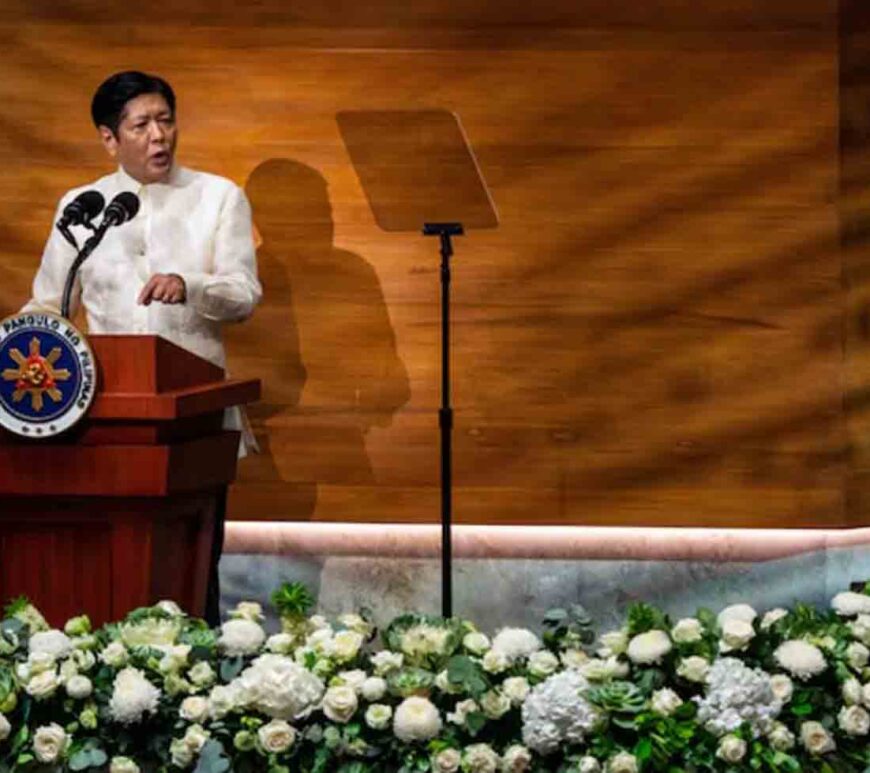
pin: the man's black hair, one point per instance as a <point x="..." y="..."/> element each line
<point x="117" y="90"/>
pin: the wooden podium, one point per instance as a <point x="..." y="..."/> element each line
<point x="118" y="513"/>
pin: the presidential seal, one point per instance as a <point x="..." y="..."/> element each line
<point x="47" y="374"/>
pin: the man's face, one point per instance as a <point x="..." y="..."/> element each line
<point x="146" y="139"/>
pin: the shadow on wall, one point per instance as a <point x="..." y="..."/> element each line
<point x="323" y="345"/>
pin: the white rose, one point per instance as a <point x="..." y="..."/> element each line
<point x="588" y="764"/>
<point x="41" y="661"/>
<point x="623" y="762"/>
<point x="494" y="662"/>
<point x="737" y="612"/>
<point x="479" y="758"/>
<point x="355" y="623"/>
<point x="373" y="688"/>
<point x="573" y="659"/>
<point x="495" y="704"/>
<point x="416" y="719"/>
<point x="687" y="630"/>
<point x="241" y="637"/>
<point x="170" y="608"/>
<point x="516" y="688"/>
<point x="516" y="759"/>
<point x="614" y="643"/>
<point x="123" y="765"/>
<point x="248" y="610"/>
<point x="201" y="674"/>
<point x="782" y="687"/>
<point x="665" y="701"/>
<point x="476" y="642"/>
<point x="543" y="663"/>
<point x="282" y="643"/>
<point x="461" y="711"/>
<point x="849" y="604"/>
<point x="597" y="670"/>
<point x="447" y="761"/>
<point x="731" y="749"/>
<point x="55" y="643"/>
<point x="780" y="737"/>
<point x="174" y="658"/>
<point x="277" y="736"/>
<point x="854" y="720"/>
<point x="340" y="703"/>
<point x="133" y="696"/>
<point x="815" y="739"/>
<point x="194" y="709"/>
<point x="378" y="716"/>
<point x="800" y="658"/>
<point x="851" y="692"/>
<point x="195" y="738"/>
<point x="84" y="659"/>
<point x="771" y="617"/>
<point x="650" y="647"/>
<point x="79" y="687"/>
<point x="180" y="753"/>
<point x="5" y="727"/>
<point x="443" y="683"/>
<point x="865" y="695"/>
<point x="860" y="628"/>
<point x="353" y="678"/>
<point x="43" y="685"/>
<point x="857" y="655"/>
<point x="347" y="645"/>
<point x="385" y="661"/>
<point x="50" y="742"/>
<point x="115" y="655"/>
<point x="694" y="669"/>
<point x="736" y="635"/>
<point x="221" y="701"/>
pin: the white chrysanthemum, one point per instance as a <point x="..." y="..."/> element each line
<point x="649" y="647"/>
<point x="479" y="758"/>
<point x="849" y="604"/>
<point x="556" y="712"/>
<point x="277" y="686"/>
<point x="515" y="643"/>
<point x="133" y="696"/>
<point x="241" y="637"/>
<point x="416" y="719"/>
<point x="800" y="659"/>
<point x="737" y="694"/>
<point x="55" y="643"/>
<point x="737" y="612"/>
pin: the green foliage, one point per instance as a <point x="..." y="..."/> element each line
<point x="89" y="755"/>
<point x="568" y="628"/>
<point x="644" y="617"/>
<point x="16" y="606"/>
<point x="618" y="698"/>
<point x="292" y="599"/>
<point x="467" y="675"/>
<point x="212" y="758"/>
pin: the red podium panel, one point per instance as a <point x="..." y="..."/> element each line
<point x="118" y="513"/>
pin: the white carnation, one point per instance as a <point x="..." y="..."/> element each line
<point x="687" y="630"/>
<point x="50" y="743"/>
<point x="854" y="720"/>
<point x="515" y="643"/>
<point x="849" y="604"/>
<point x="53" y="642"/>
<point x="416" y="719"/>
<point x="737" y="612"/>
<point x="241" y="637"/>
<point x="133" y="696"/>
<point x="650" y="647"/>
<point x="378" y="716"/>
<point x="737" y="694"/>
<point x="340" y="703"/>
<point x="800" y="659"/>
<point x="815" y="739"/>
<point x="556" y="712"/>
<point x="665" y="701"/>
<point x="735" y="635"/>
<point x="731" y="749"/>
<point x="479" y="758"/>
<point x="277" y="736"/>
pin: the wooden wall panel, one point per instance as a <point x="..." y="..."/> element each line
<point x="653" y="334"/>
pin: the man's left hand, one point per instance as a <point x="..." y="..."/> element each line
<point x="166" y="288"/>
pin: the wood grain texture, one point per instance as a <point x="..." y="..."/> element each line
<point x="653" y="334"/>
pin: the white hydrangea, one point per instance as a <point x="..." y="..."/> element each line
<point x="849" y="604"/>
<point x="55" y="643"/>
<point x="133" y="696"/>
<point x="800" y="658"/>
<point x="277" y="686"/>
<point x="556" y="712"/>
<point x="649" y="647"/>
<point x="416" y="719"/>
<point x="515" y="643"/>
<point x="736" y="694"/>
<point x="241" y="637"/>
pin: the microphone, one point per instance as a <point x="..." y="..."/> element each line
<point x="80" y="211"/>
<point x="122" y="208"/>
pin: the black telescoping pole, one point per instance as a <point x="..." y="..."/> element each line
<point x="445" y="414"/>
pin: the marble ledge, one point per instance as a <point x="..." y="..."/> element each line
<point x="534" y="542"/>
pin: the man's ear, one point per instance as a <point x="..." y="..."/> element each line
<point x="110" y="141"/>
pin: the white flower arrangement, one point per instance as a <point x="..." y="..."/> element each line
<point x="416" y="719"/>
<point x="133" y="697"/>
<point x="515" y="643"/>
<point x="556" y="712"/>
<point x="801" y="659"/>
<point x="649" y="647"/>
<point x="851" y="604"/>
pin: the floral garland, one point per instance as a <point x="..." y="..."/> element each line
<point x="788" y="690"/>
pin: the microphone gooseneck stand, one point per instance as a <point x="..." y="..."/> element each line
<point x="89" y="246"/>
<point x="445" y="414"/>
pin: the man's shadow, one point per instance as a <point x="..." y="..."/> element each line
<point x="322" y="343"/>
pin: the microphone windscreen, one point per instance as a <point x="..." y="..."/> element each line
<point x="122" y="208"/>
<point x="84" y="207"/>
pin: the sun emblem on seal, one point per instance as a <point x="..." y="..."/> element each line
<point x="36" y="375"/>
